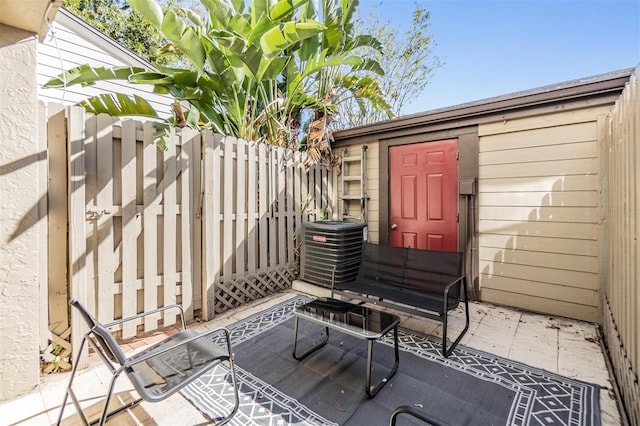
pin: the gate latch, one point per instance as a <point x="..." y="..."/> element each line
<point x="95" y="213"/>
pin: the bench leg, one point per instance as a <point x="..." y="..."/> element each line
<point x="372" y="390"/>
<point x="313" y="349"/>
<point x="447" y="351"/>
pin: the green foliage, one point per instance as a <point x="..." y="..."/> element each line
<point x="118" y="104"/>
<point x="86" y="75"/>
<point x="407" y="58"/>
<point x="125" y="26"/>
<point x="258" y="70"/>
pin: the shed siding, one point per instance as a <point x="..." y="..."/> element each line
<point x="63" y="49"/>
<point x="539" y="212"/>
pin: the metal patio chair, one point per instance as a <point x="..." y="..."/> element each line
<point x="418" y="414"/>
<point x="158" y="371"/>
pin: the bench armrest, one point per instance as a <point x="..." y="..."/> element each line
<point x="448" y="287"/>
<point x="451" y="284"/>
<point x="338" y="266"/>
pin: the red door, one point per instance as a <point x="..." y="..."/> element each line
<point x="424" y="195"/>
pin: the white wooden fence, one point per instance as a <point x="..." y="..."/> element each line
<point x="255" y="200"/>
<point x="211" y="215"/>
<point x="620" y="269"/>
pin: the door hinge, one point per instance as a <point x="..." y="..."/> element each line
<point x="457" y="155"/>
<point x="458" y="217"/>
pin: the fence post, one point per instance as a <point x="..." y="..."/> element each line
<point x="77" y="227"/>
<point x="189" y="139"/>
<point x="263" y="206"/>
<point x="211" y="223"/>
<point x="57" y="229"/>
<point x="151" y="201"/>
<point x="240" y="206"/>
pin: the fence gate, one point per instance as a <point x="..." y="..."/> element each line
<point x="133" y="219"/>
<point x="133" y="228"/>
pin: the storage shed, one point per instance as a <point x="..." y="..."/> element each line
<point x="517" y="175"/>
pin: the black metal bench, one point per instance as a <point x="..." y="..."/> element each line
<point x="421" y="282"/>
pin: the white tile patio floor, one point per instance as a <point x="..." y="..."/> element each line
<point x="567" y="347"/>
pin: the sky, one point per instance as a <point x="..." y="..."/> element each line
<point x="496" y="47"/>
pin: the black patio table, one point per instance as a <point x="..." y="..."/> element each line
<point x="356" y="320"/>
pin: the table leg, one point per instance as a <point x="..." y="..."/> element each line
<point x="313" y="349"/>
<point x="372" y="390"/>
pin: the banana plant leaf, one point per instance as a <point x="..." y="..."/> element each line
<point x="87" y="75"/>
<point x="280" y="38"/>
<point x="118" y="104"/>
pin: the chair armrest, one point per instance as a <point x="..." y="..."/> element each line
<point x="184" y="342"/>
<point x="421" y="415"/>
<point x="144" y="314"/>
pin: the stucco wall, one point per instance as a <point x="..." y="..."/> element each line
<point x="21" y="164"/>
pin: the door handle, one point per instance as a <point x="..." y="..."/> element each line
<point x="394" y="227"/>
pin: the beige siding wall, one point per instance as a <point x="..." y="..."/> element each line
<point x="372" y="188"/>
<point x="539" y="213"/>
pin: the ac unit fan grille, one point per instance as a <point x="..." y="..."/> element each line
<point x="327" y="244"/>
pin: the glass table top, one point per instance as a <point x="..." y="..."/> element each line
<point x="357" y="320"/>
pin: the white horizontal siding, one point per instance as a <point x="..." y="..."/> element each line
<point x="64" y="48"/>
<point x="539" y="212"/>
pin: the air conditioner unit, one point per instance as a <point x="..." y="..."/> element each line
<point x="326" y="244"/>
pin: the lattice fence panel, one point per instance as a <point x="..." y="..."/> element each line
<point x="233" y="293"/>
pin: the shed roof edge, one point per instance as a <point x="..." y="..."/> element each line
<point x="569" y="90"/>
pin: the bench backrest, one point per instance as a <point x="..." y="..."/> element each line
<point x="421" y="270"/>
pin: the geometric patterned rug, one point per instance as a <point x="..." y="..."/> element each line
<point x="540" y="397"/>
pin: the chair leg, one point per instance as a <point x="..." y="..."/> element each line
<point x="105" y="413"/>
<point x="69" y="390"/>
<point x="222" y="420"/>
<point x="424" y="416"/>
<point x="234" y="382"/>
<point x="105" y="410"/>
